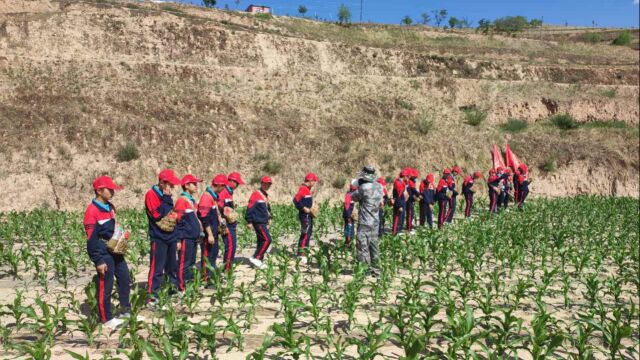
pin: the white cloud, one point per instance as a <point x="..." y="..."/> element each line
<point x="636" y="2"/>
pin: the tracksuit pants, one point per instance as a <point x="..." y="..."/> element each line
<point x="452" y="208"/>
<point x="164" y="262"/>
<point x="306" y="232"/>
<point x="186" y="261"/>
<point x="116" y="268"/>
<point x="468" y="204"/>
<point x="493" y="201"/>
<point x="428" y="212"/>
<point x="381" y="222"/>
<point x="522" y="197"/>
<point x="349" y="231"/>
<point x="230" y="241"/>
<point x="410" y="215"/>
<point x="398" y="219"/>
<point x="264" y="240"/>
<point x="442" y="212"/>
<point x="209" y="253"/>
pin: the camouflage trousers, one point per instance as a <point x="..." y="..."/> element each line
<point x="367" y="246"/>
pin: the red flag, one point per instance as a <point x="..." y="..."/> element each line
<point x="512" y="160"/>
<point x="496" y="157"/>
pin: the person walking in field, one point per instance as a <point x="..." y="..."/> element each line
<point x="228" y="212"/>
<point x="100" y="227"/>
<point x="443" y="197"/>
<point x="258" y="217"/>
<point x="505" y="186"/>
<point x="468" y="191"/>
<point x="400" y="196"/>
<point x="427" y="200"/>
<point x="369" y="196"/>
<point x="303" y="201"/>
<point x="453" y="201"/>
<point x="523" y="185"/>
<point x="189" y="229"/>
<point x="162" y="232"/>
<point x="387" y="201"/>
<point x="411" y="200"/>
<point x="348" y="216"/>
<point x="211" y="220"/>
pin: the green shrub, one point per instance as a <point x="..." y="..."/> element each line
<point x="550" y="163"/>
<point x="339" y="182"/>
<point x="610" y="93"/>
<point x="424" y="124"/>
<point x="272" y="167"/>
<point x="606" y="124"/>
<point x="623" y="38"/>
<point x="127" y="153"/>
<point x="593" y="38"/>
<point x="514" y="125"/>
<point x="263" y="16"/>
<point x="255" y="179"/>
<point x="474" y="116"/>
<point x="405" y="104"/>
<point x="564" y="122"/>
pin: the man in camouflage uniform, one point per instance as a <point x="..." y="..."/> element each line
<point x="369" y="196"/>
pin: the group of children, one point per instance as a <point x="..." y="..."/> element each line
<point x="177" y="228"/>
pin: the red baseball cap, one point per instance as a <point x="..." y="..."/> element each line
<point x="492" y="171"/>
<point x="235" y="176"/>
<point x="523" y="167"/>
<point x="499" y="168"/>
<point x="446" y="171"/>
<point x="415" y="173"/>
<point x="105" y="182"/>
<point x="187" y="179"/>
<point x="170" y="176"/>
<point x="381" y="181"/>
<point x="311" y="177"/>
<point x="220" y="179"/>
<point x="477" y="175"/>
<point x="266" y="180"/>
<point x="405" y="172"/>
<point x="456" y="169"/>
<point x="431" y="178"/>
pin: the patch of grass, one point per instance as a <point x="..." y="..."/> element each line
<point x="610" y="93"/>
<point x="272" y="167"/>
<point x="424" y="124"/>
<point x="127" y="153"/>
<point x="453" y="41"/>
<point x="261" y="157"/>
<point x="564" y="122"/>
<point x="339" y="182"/>
<point x="415" y="85"/>
<point x="550" y="164"/>
<point x="606" y="124"/>
<point x="514" y="126"/>
<point x="405" y="104"/>
<point x="255" y="179"/>
<point x="263" y="16"/>
<point x="623" y="38"/>
<point x="593" y="38"/>
<point x="474" y="117"/>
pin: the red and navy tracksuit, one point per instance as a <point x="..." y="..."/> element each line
<point x="258" y="214"/>
<point x="427" y="198"/>
<point x="443" y="200"/>
<point x="163" y="259"/>
<point x="494" y="181"/>
<point x="453" y="201"/>
<point x="516" y="186"/>
<point x="347" y="211"/>
<point x="304" y="199"/>
<point x="99" y="224"/>
<point x="399" y="204"/>
<point x="225" y="200"/>
<point x="523" y="187"/>
<point x="209" y="217"/>
<point x="189" y="231"/>
<point x="385" y="198"/>
<point x="413" y="193"/>
<point x="467" y="192"/>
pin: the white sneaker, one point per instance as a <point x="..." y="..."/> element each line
<point x="303" y="260"/>
<point x="256" y="263"/>
<point x="128" y="315"/>
<point x="114" y="323"/>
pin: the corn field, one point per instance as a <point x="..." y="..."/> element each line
<point x="559" y="280"/>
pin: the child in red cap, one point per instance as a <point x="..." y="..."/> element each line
<point x="347" y="215"/>
<point x="189" y="229"/>
<point x="162" y="232"/>
<point x="100" y="226"/>
<point x="229" y="215"/>
<point x="211" y="220"/>
<point x="427" y="199"/>
<point x="258" y="217"/>
<point x="303" y="201"/>
<point x="468" y="191"/>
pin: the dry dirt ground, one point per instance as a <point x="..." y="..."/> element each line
<point x="208" y="91"/>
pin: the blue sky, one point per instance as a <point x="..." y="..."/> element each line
<point x="606" y="13"/>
